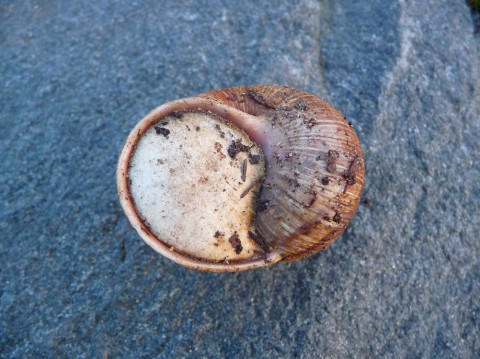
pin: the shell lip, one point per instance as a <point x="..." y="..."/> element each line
<point x="126" y="200"/>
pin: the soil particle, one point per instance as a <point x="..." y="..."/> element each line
<point x="176" y="114"/>
<point x="254" y="159"/>
<point x="244" y="170"/>
<point x="349" y="177"/>
<point x="260" y="98"/>
<point x="310" y="123"/>
<point x="301" y="105"/>
<point x="162" y="131"/>
<point x="219" y="129"/>
<point x="351" y="172"/>
<point x="236" y="147"/>
<point x="337" y="218"/>
<point x="325" y="181"/>
<point x="218" y="146"/>
<point x="278" y="159"/>
<point x="236" y="243"/>
<point x="249" y="188"/>
<point x="312" y="199"/>
<point x="331" y="159"/>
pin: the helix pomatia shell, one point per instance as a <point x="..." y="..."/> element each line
<point x="308" y="194"/>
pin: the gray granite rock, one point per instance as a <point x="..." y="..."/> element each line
<point x="76" y="280"/>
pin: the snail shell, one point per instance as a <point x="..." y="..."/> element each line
<point x="240" y="178"/>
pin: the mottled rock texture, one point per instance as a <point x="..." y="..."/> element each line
<point x="76" y="281"/>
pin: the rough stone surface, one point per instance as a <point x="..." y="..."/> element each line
<point x="76" y="281"/>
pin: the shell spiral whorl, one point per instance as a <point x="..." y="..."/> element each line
<point x="313" y="180"/>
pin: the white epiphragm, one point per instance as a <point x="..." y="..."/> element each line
<point x="187" y="189"/>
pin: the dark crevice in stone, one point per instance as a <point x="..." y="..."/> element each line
<point x="475" y="12"/>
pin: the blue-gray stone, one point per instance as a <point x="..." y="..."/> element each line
<point x="76" y="281"/>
